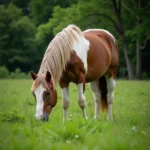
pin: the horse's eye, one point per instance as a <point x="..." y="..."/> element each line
<point x="47" y="93"/>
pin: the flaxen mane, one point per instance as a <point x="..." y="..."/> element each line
<point x="58" y="53"/>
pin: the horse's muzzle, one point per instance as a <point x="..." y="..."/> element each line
<point x="45" y="116"/>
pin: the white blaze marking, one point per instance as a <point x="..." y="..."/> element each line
<point x="101" y="30"/>
<point x="39" y="99"/>
<point x="81" y="48"/>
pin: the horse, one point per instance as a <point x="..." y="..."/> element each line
<point x="80" y="57"/>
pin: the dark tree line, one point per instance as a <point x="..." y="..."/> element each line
<point x="27" y="26"/>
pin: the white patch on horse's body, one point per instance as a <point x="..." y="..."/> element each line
<point x="81" y="47"/>
<point x="39" y="101"/>
<point x="103" y="31"/>
<point x="111" y="83"/>
<point x="97" y="98"/>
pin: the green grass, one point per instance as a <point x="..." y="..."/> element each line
<point x="130" y="129"/>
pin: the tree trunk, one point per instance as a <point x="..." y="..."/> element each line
<point x="138" y="60"/>
<point x="117" y="8"/>
<point x="131" y="74"/>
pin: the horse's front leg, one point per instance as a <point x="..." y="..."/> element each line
<point x="65" y="102"/>
<point x="81" y="99"/>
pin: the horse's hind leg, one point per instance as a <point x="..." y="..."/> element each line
<point x="97" y="98"/>
<point x="111" y="83"/>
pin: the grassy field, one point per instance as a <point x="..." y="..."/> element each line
<point x="130" y="129"/>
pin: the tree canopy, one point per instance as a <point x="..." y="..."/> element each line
<point x="26" y="30"/>
<point x="17" y="38"/>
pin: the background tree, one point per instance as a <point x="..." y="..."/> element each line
<point x="26" y="28"/>
<point x="138" y="31"/>
<point x="22" y="4"/>
<point x="17" y="39"/>
<point x="41" y="10"/>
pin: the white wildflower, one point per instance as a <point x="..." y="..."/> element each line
<point x="134" y="128"/>
<point x="76" y="136"/>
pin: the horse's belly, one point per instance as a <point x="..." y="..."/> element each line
<point x="93" y="74"/>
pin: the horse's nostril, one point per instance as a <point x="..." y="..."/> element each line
<point x="46" y="116"/>
<point x="45" y="119"/>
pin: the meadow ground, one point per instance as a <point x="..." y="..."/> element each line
<point x="130" y="129"/>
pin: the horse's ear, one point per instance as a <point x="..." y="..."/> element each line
<point x="33" y="75"/>
<point x="48" y="76"/>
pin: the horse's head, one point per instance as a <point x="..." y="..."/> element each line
<point x="45" y="95"/>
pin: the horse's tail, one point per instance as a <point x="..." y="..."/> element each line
<point x="103" y="92"/>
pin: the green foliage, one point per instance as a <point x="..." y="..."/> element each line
<point x="128" y="131"/>
<point x="87" y="15"/>
<point x="23" y="39"/>
<point x="41" y="10"/>
<point x="4" y="72"/>
<point x="17" y="42"/>
<point x="144" y="76"/>
<point x="84" y="14"/>
<point x="12" y="117"/>
<point x="18" y="75"/>
<point x="140" y="32"/>
<point x="23" y="5"/>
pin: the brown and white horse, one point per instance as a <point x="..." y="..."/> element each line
<point x="79" y="57"/>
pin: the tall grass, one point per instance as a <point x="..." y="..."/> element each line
<point x="129" y="130"/>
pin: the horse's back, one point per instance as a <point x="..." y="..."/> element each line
<point x="102" y="55"/>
